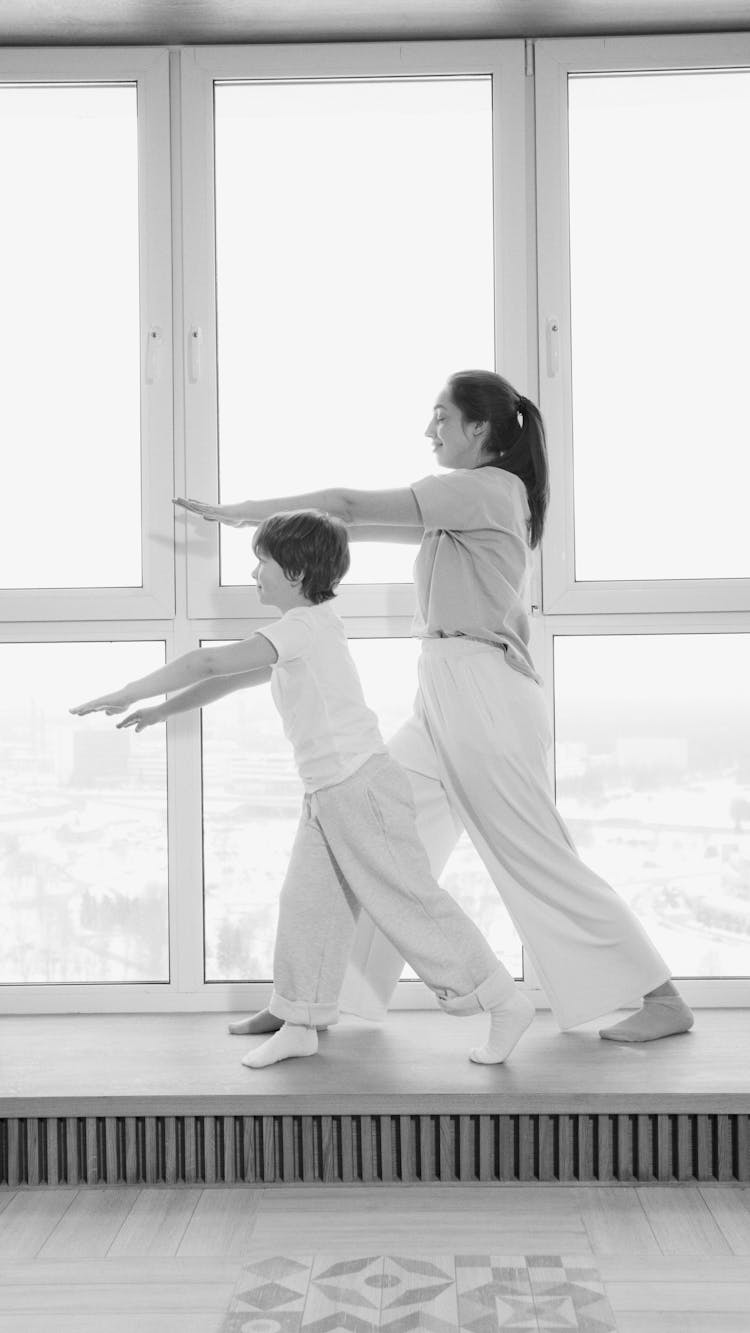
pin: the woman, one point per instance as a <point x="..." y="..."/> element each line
<point x="476" y="747"/>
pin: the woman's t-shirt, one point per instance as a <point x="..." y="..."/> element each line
<point x="473" y="567"/>
<point x="316" y="688"/>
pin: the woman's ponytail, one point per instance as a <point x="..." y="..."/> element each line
<point x="516" y="440"/>
<point x="528" y="459"/>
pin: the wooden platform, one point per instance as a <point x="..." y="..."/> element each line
<point x="165" y="1098"/>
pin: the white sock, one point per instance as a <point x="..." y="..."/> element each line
<point x="660" y="1016"/>
<point x="508" y="1022"/>
<point x="291" y="1040"/>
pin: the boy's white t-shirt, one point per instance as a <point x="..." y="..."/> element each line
<point x="316" y="688"/>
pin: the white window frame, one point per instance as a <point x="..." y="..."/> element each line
<point x="148" y="69"/>
<point x="200" y="610"/>
<point x="182" y="603"/>
<point x="201" y="67"/>
<point x="555" y="60"/>
<point x="145" y="613"/>
<point x="608" y="607"/>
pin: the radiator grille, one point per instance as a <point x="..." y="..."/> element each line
<point x="373" y="1149"/>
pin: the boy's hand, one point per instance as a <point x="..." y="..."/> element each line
<point x="211" y="513"/>
<point x="142" y="717"/>
<point x="116" y="702"/>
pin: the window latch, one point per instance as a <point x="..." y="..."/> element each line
<point x="553" y="346"/>
<point x="154" y="342"/>
<point x="195" y="339"/>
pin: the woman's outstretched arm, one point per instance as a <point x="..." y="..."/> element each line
<point x="391" y="508"/>
<point x="385" y="532"/>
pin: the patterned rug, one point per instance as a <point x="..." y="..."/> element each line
<point x="463" y="1293"/>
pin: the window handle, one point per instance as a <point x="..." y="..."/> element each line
<point x="195" y="339"/>
<point x="153" y="354"/>
<point x="553" y="346"/>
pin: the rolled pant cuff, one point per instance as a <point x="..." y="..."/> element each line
<point x="299" y="1011"/>
<point x="496" y="989"/>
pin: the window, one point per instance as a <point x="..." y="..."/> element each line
<point x="69" y="338"/>
<point x="351" y="278"/>
<point x="643" y="280"/>
<point x="238" y="271"/>
<point x="659" y="289"/>
<point x="85" y="340"/>
<point x="652" y="740"/>
<point x="335" y="276"/>
<point x="84" y="829"/>
<point x="85" y="549"/>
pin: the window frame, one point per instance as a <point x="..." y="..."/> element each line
<point x="555" y="59"/>
<point x="183" y="603"/>
<point x="201" y="67"/>
<point x="148" y="69"/>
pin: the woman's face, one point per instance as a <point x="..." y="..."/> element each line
<point x="455" y="442"/>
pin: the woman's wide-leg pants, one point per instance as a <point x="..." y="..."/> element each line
<point x="476" y="752"/>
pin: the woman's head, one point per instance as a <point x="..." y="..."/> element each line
<point x="512" y="435"/>
<point x="310" y="547"/>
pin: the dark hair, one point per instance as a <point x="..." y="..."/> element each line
<point x="308" y="545"/>
<point x="516" y="440"/>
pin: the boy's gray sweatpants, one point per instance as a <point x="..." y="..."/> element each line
<point x="357" y="846"/>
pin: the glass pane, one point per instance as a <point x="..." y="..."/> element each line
<point x="69" y="337"/>
<point x="354" y="273"/>
<point x="83" y="834"/>
<point x="660" y="289"/>
<point x="653" y="777"/>
<point x="251" y="804"/>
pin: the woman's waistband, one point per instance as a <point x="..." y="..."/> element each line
<point x="458" y="645"/>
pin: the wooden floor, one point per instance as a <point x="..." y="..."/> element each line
<point x="417" y="1060"/>
<point x="189" y="1260"/>
<point x="445" y="1258"/>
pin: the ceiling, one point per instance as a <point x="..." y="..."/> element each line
<point x="177" y="22"/>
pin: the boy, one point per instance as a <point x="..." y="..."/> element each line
<point x="357" y="845"/>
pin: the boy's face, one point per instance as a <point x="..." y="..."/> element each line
<point x="274" y="587"/>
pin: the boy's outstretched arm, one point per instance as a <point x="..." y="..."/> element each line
<point x="201" y="664"/>
<point x="196" y="696"/>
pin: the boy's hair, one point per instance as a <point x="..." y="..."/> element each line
<point x="308" y="545"/>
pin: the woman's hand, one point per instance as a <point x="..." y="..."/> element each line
<point x="116" y="702"/>
<point x="212" y="513"/>
<point x="142" y="717"/>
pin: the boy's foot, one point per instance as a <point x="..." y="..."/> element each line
<point x="256" y="1024"/>
<point x="292" y="1039"/>
<point x="508" y="1022"/>
<point x="661" y="1016"/>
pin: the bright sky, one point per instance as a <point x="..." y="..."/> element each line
<point x="69" y="337"/>
<point x="660" y="291"/>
